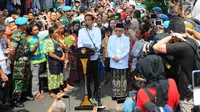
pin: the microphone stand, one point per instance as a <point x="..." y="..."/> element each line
<point x="100" y="106"/>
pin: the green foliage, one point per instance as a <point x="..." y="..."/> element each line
<point x="155" y="3"/>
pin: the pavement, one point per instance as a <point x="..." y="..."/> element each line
<point x="42" y="105"/>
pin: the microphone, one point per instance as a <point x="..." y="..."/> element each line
<point x="86" y="25"/>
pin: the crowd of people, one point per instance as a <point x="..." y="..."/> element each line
<point x="146" y="53"/>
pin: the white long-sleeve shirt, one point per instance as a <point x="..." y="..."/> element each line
<point x="85" y="41"/>
<point x="119" y="47"/>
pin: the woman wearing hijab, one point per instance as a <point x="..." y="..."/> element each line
<point x="134" y="28"/>
<point x="165" y="90"/>
<point x="132" y="35"/>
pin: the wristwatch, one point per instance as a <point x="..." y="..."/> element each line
<point x="171" y="34"/>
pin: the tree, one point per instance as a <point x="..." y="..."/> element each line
<point x="156" y="3"/>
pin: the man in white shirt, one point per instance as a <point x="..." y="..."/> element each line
<point x="118" y="50"/>
<point x="91" y="37"/>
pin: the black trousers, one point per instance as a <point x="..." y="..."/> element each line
<point x="92" y="72"/>
<point x="4" y="93"/>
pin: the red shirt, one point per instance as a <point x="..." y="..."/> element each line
<point x="123" y="15"/>
<point x="173" y="96"/>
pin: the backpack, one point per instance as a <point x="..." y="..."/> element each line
<point x="196" y="47"/>
<point x="152" y="98"/>
<point x="195" y="23"/>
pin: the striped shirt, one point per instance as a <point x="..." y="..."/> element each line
<point x="39" y="55"/>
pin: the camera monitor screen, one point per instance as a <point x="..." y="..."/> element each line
<point x="196" y="86"/>
<point x="158" y="22"/>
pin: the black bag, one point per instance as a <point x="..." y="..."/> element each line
<point x="196" y="47"/>
<point x="153" y="100"/>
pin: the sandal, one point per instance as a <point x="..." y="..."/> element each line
<point x="39" y="96"/>
<point x="66" y="90"/>
<point x="103" y="83"/>
<point x="52" y="95"/>
<point x="70" y="87"/>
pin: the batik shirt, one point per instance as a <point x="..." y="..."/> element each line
<point x="21" y="57"/>
<point x="49" y="46"/>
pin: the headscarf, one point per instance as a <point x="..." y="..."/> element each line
<point x="133" y="31"/>
<point x="151" y="68"/>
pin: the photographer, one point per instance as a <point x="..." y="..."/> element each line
<point x="182" y="52"/>
<point x="58" y="105"/>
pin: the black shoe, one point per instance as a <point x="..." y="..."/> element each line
<point x="6" y="105"/>
<point x="95" y="95"/>
<point x="30" y="98"/>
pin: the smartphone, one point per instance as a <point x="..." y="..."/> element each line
<point x="45" y="17"/>
<point x="38" y="19"/>
<point x="158" y="22"/>
<point x="196" y="86"/>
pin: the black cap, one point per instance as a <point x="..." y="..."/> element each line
<point x="119" y="25"/>
<point x="177" y="25"/>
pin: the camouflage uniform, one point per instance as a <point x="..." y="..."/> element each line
<point x="21" y="64"/>
<point x="65" y="20"/>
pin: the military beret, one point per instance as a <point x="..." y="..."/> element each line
<point x="60" y="7"/>
<point x="21" y="21"/>
<point x="163" y="16"/>
<point x="66" y="8"/>
<point x="156" y="9"/>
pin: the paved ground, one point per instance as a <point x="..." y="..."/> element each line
<point x="42" y="105"/>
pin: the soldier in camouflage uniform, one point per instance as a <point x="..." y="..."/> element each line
<point x="65" y="19"/>
<point x="21" y="61"/>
